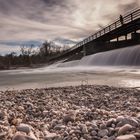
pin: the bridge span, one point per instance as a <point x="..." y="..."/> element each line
<point x="121" y="33"/>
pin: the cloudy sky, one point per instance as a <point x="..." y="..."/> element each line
<point x="38" y="20"/>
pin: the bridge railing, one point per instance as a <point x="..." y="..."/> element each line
<point x="126" y="19"/>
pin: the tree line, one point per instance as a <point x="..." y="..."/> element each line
<point x="31" y="56"/>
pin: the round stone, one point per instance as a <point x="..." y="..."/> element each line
<point x="24" y="128"/>
<point x="126" y="137"/>
<point x="103" y="133"/>
<point x="124" y="129"/>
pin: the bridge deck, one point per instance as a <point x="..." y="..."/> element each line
<point x="115" y="29"/>
<point x="131" y="23"/>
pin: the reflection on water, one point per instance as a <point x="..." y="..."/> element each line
<point x="119" y="67"/>
<point x="131" y="83"/>
<point x="54" y="76"/>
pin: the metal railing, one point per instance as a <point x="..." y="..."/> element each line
<point x="126" y="19"/>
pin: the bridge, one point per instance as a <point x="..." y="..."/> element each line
<point x="108" y="38"/>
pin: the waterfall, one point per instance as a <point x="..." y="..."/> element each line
<point x="129" y="56"/>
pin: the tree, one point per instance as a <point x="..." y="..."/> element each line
<point x="45" y="49"/>
<point x="27" y="52"/>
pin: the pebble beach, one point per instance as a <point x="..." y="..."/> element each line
<point x="86" y="112"/>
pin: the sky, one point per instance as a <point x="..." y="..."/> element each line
<point x="24" y="21"/>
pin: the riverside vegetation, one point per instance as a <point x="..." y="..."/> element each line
<point x="31" y="56"/>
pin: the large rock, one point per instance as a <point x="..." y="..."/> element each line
<point x="128" y="120"/>
<point x="24" y="128"/>
<point x="126" y="137"/>
<point x="124" y="129"/>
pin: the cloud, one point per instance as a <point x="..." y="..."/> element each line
<point x="50" y="19"/>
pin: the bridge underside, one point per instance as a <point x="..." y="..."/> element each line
<point x="105" y="43"/>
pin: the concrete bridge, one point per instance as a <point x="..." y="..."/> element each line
<point x="121" y="33"/>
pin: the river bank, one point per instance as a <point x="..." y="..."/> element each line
<point x="70" y="113"/>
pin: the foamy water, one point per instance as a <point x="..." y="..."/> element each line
<point x="116" y="68"/>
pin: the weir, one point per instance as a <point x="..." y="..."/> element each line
<point x="109" y="38"/>
<point x="129" y="56"/>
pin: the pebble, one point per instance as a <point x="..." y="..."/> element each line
<point x="119" y="119"/>
<point x="103" y="133"/>
<point x="93" y="133"/>
<point x="51" y="136"/>
<point x="68" y="118"/>
<point x="59" y="127"/>
<point x="126" y="137"/>
<point x="70" y="113"/>
<point x="24" y="128"/>
<point x="84" y="129"/>
<point x="124" y="129"/>
<point x="22" y="137"/>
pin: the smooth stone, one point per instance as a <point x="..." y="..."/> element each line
<point x="75" y="138"/>
<point x="111" y="131"/>
<point x="94" y="126"/>
<point x="103" y="126"/>
<point x="110" y="122"/>
<point x="59" y="127"/>
<point x="138" y="116"/>
<point x="31" y="134"/>
<point x="119" y="118"/>
<point x="22" y="137"/>
<point x="84" y="129"/>
<point x="93" y="133"/>
<point x="126" y="137"/>
<point x="124" y="129"/>
<point x="21" y="108"/>
<point x="111" y="138"/>
<point x="103" y="133"/>
<point x="130" y="121"/>
<point x="24" y="128"/>
<point x="51" y="136"/>
<point x="1" y="115"/>
<point x="87" y="137"/>
<point x="45" y="112"/>
<point x="96" y="138"/>
<point x="105" y="137"/>
<point x="137" y="135"/>
<point x="68" y="118"/>
<point x="2" y="135"/>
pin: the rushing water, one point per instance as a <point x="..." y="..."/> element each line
<point x="116" y="68"/>
<point x="129" y="56"/>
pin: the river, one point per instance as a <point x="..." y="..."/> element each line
<point x="120" y="68"/>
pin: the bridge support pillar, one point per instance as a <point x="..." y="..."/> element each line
<point x="125" y="37"/>
<point x="84" y="50"/>
<point x="135" y="36"/>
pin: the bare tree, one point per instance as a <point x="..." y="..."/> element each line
<point x="27" y="52"/>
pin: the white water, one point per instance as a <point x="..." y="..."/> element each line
<point x="129" y="56"/>
<point x="116" y="68"/>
